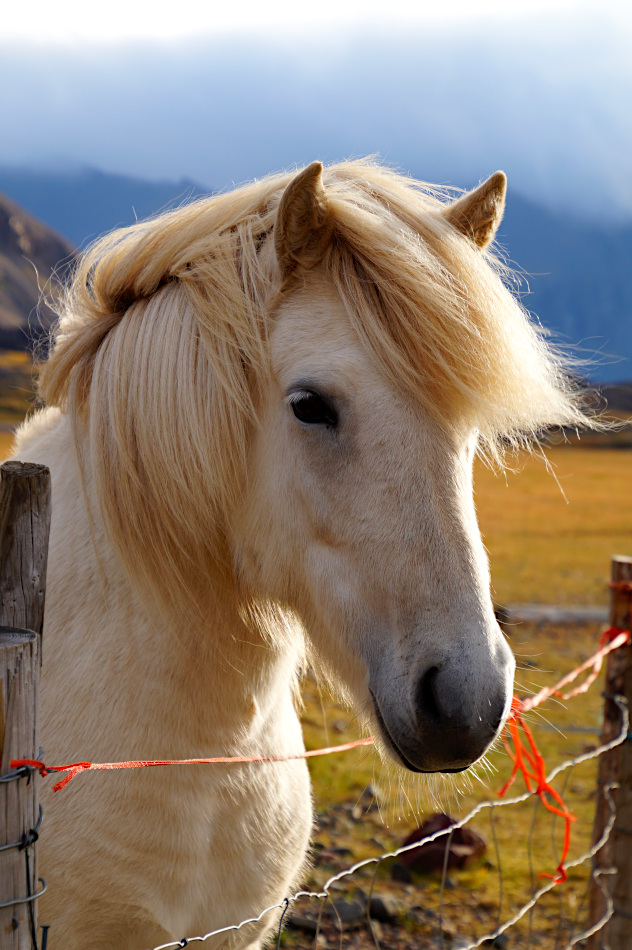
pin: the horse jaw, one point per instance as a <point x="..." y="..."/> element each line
<point x="369" y="534"/>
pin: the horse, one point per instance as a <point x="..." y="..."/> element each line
<point x="260" y="415"/>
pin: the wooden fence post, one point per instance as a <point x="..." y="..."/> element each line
<point x="616" y="766"/>
<point x="24" y="528"/>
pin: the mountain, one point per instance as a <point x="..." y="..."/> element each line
<point x="30" y="252"/>
<point x="84" y="204"/>
<point x="575" y="272"/>
<point x="576" y="280"/>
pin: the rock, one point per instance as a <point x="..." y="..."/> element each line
<point x="401" y="873"/>
<point x="298" y="922"/>
<point x="465" y="846"/>
<point x="347" y="915"/>
<point x="372" y="793"/>
<point x="385" y="909"/>
<point x="427" y="912"/>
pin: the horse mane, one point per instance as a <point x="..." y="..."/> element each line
<point x="162" y="347"/>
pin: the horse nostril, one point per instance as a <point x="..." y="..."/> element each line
<point x="498" y="718"/>
<point x="427" y="699"/>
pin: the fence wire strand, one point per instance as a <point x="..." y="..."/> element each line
<point x="324" y="892"/>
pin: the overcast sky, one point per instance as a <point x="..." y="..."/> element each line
<point x="71" y="21"/>
<point x="221" y="93"/>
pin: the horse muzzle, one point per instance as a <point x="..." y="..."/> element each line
<point x="448" y="728"/>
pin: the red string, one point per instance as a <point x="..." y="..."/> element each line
<point x="76" y="767"/>
<point x="529" y="760"/>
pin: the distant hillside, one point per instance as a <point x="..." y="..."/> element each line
<point x="578" y="277"/>
<point x="29" y="253"/>
<point x="619" y="397"/>
<point x="85" y="204"/>
<point x="578" y="272"/>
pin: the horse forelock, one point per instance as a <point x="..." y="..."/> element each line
<point x="162" y="348"/>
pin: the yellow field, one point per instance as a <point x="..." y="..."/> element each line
<point x="550" y="536"/>
<point x="6" y="441"/>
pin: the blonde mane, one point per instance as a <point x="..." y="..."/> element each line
<point x="162" y="349"/>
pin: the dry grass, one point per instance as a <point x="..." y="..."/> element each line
<point x="550" y="535"/>
<point x="17" y="380"/>
<point x="6" y="442"/>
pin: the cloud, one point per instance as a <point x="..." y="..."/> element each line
<point x="69" y="22"/>
<point x="446" y="106"/>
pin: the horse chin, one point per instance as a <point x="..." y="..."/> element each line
<point x="405" y="758"/>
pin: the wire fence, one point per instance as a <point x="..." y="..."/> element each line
<point x="329" y="930"/>
<point x="488" y="937"/>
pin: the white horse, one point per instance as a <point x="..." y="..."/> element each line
<point x="262" y="414"/>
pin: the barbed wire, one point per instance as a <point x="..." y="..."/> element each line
<point x="324" y="892"/>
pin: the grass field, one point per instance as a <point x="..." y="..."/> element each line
<point x="6" y="441"/>
<point x="550" y="534"/>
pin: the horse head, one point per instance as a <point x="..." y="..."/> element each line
<point x="360" y="513"/>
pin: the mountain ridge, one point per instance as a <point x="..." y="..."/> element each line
<point x="30" y="253"/>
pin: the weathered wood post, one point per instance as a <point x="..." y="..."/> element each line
<point x="24" y="527"/>
<point x="616" y="766"/>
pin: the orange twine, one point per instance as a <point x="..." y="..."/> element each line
<point x="529" y="761"/>
<point x="76" y="767"/>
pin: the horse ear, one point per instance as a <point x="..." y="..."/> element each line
<point x="304" y="222"/>
<point x="478" y="213"/>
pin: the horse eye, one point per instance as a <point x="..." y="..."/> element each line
<point x="312" y="409"/>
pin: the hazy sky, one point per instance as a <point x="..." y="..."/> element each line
<point x="449" y="90"/>
<point x="69" y="21"/>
